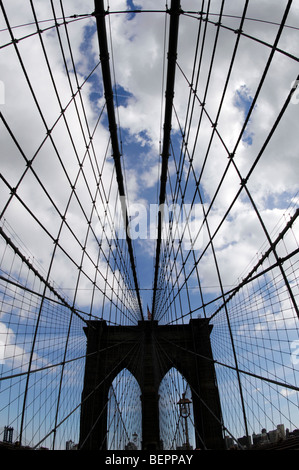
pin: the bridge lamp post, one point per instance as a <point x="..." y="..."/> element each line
<point x="184" y="404"/>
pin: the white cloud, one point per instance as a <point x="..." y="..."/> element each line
<point x="138" y="55"/>
<point x="287" y="393"/>
<point x="13" y="355"/>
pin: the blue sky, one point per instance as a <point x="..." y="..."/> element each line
<point x="243" y="101"/>
<point x="138" y="53"/>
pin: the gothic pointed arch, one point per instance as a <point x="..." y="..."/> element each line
<point x="124" y="416"/>
<point x="176" y="431"/>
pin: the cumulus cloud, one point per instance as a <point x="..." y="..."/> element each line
<point x="138" y="59"/>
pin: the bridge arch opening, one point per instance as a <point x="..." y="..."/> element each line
<point x="124" y="413"/>
<point x="177" y="429"/>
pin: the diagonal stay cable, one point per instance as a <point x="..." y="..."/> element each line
<point x="248" y="36"/>
<point x="104" y="57"/>
<point x="242" y="371"/>
<point x="172" y="55"/>
<point x="193" y="88"/>
<point x="212" y="415"/>
<point x="78" y="406"/>
<point x="244" y="181"/>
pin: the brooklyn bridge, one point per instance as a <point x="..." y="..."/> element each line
<point x="149" y="237"/>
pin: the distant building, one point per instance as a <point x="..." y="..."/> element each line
<point x="70" y="445"/>
<point x="229" y="442"/>
<point x="273" y="435"/>
<point x="245" y="442"/>
<point x="184" y="447"/>
<point x="264" y="436"/>
<point x="256" y="439"/>
<point x="130" y="446"/>
<point x="8" y="434"/>
<point x="281" y="431"/>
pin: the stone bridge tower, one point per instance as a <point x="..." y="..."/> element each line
<point x="185" y="347"/>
